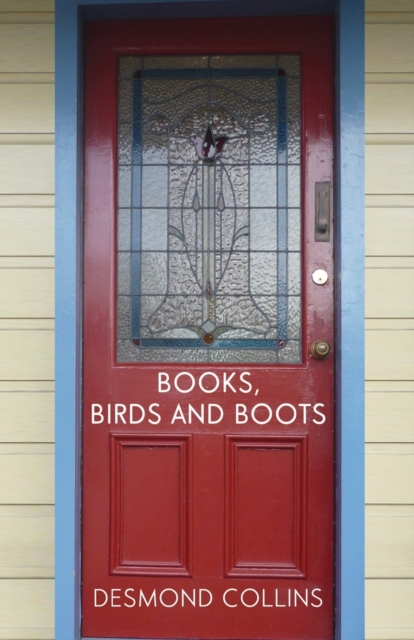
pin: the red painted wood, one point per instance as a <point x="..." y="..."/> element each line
<point x="186" y="481"/>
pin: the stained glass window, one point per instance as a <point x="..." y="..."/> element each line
<point x="209" y="209"/>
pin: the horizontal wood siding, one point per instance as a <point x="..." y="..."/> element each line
<point x="390" y="320"/>
<point x="26" y="319"/>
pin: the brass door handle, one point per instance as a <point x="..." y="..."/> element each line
<point x="320" y="349"/>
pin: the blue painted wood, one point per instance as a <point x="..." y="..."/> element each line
<point x="67" y="325"/>
<point x="350" y="329"/>
<point x="350" y="292"/>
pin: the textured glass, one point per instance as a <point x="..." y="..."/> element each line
<point x="263" y="186"/>
<point x="124" y="186"/>
<point x="154" y="186"/>
<point x="124" y="229"/>
<point x="293" y="99"/>
<point x="128" y="67"/>
<point x="154" y="229"/>
<point x="294" y="273"/>
<point x="294" y="320"/>
<point x="125" y="144"/>
<point x="294" y="141"/>
<point x="294" y="230"/>
<point x="245" y="355"/>
<point x="124" y="316"/>
<point x="154" y="272"/>
<point x="125" y="101"/>
<point x="174" y="355"/>
<point x="263" y="229"/>
<point x="294" y="186"/>
<point x="290" y="352"/>
<point x="209" y="221"/>
<point x="176" y="62"/>
<point x="289" y="64"/>
<point x="124" y="263"/>
<point x="242" y="62"/>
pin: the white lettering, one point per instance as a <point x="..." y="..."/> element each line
<point x="227" y="382"/>
<point x="200" y="598"/>
<point x="164" y="604"/>
<point x="225" y="598"/>
<point x="304" y="405"/>
<point x="256" y="600"/>
<point x="279" y="419"/>
<point x="241" y="415"/>
<point x="210" y="414"/>
<point x="200" y="416"/>
<point x="192" y="382"/>
<point x="114" y="597"/>
<point x="319" y="413"/>
<point x="185" y="595"/>
<point x="154" y="413"/>
<point x="246" y="382"/>
<point x="163" y="382"/>
<point x="277" y="599"/>
<point x="97" y="414"/>
<point x="269" y="413"/>
<point x="178" y="415"/>
<point x="147" y="602"/>
<point x="317" y="597"/>
<point x="297" y="595"/>
<point x="120" y="411"/>
<point x="95" y="602"/>
<point x="264" y="599"/>
<point x="130" y="597"/>
<point x="216" y="378"/>
<point x="132" y="419"/>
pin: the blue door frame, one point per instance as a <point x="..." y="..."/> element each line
<point x="349" y="213"/>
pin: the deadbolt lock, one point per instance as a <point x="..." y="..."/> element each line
<point x="320" y="349"/>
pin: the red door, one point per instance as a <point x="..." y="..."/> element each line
<point x="208" y="423"/>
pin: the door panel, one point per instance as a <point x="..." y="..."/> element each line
<point x="207" y="425"/>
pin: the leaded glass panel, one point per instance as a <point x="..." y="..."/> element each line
<point x="209" y="209"/>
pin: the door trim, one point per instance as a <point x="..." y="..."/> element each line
<point x="349" y="299"/>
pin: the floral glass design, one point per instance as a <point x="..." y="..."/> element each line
<point x="209" y="223"/>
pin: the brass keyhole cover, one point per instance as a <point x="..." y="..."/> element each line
<point x="320" y="349"/>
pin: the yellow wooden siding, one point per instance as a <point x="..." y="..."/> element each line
<point x="27" y="168"/>
<point x="389" y="541"/>
<point x="389" y="168"/>
<point x="26" y="339"/>
<point x="27" y="293"/>
<point x="26" y="411"/>
<point x="390" y="48"/>
<point x="383" y="99"/>
<point x="26" y="319"/>
<point x="389" y="231"/>
<point x="26" y="473"/>
<point x="26" y="541"/>
<point x="389" y="610"/>
<point x="27" y="48"/>
<point x="27" y="108"/>
<point x="390" y="319"/>
<point x="389" y="351"/>
<point x="26" y="354"/>
<point x="383" y="288"/>
<point x="27" y="6"/>
<point x="389" y="412"/>
<point x="26" y="609"/>
<point x="26" y="231"/>
<point x="389" y="473"/>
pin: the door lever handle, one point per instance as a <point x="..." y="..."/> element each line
<point x="322" y="211"/>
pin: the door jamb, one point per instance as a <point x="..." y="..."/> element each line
<point x="349" y="319"/>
